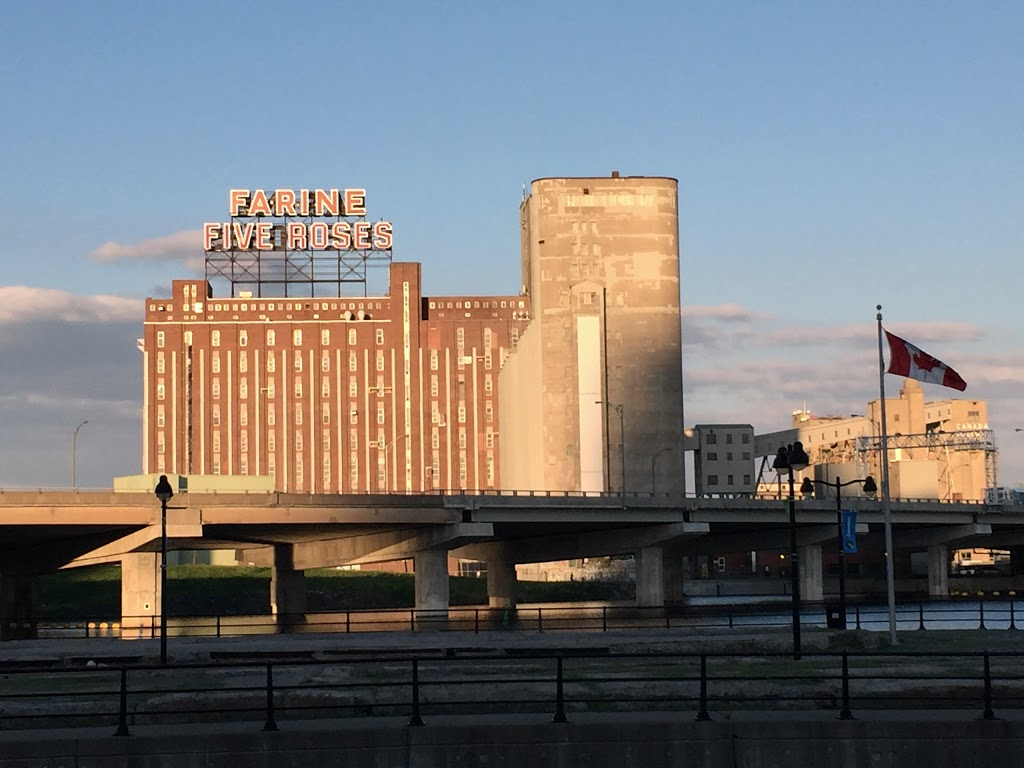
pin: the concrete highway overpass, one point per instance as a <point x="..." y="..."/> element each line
<point x="42" y="531"/>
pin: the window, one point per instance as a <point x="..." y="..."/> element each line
<point x="298" y="441"/>
<point x="728" y="456"/>
<point x="243" y="387"/>
<point x="325" y="411"/>
<point x="216" y="441"/>
<point x="351" y="337"/>
<point x="297" y="337"/>
<point x="488" y="385"/>
<point x="214" y="338"/>
<point x="435" y="439"/>
<point x="160" y="444"/>
<point x="325" y="362"/>
<point x="746" y="455"/>
<point x="270" y="388"/>
<point x="712" y="439"/>
<point x="271" y="364"/>
<point x="353" y="417"/>
<point x="271" y="415"/>
<point x="380" y="414"/>
<point x="489" y="411"/>
<point x="271" y="442"/>
<point x="433" y="359"/>
<point x="489" y="439"/>
<point x="298" y="417"/>
<point x="728" y="480"/>
<point x="161" y="337"/>
<point x="894" y="418"/>
<point x="728" y="439"/>
<point x="243" y="415"/>
<point x="353" y="363"/>
<point x="271" y="336"/>
<point x="160" y="366"/>
<point x="746" y="479"/>
<point x="380" y="360"/>
<point x="380" y="335"/>
<point x="298" y="389"/>
<point x="325" y="337"/>
<point x="353" y="386"/>
<point x="215" y="362"/>
<point x="243" y="338"/>
<point x="462" y="414"/>
<point x="325" y="387"/>
<point x="462" y="439"/>
<point x="353" y="441"/>
<point x="487" y="338"/>
<point x="433" y="386"/>
<point x="298" y="363"/>
<point x="712" y="457"/>
<point x="712" y="480"/>
<point x="243" y="361"/>
<point x="746" y="438"/>
<point x="243" y="440"/>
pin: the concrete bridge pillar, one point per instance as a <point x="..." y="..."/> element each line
<point x="812" y="588"/>
<point x="501" y="584"/>
<point x="938" y="570"/>
<point x="650" y="577"/>
<point x="18" y="606"/>
<point x="287" y="588"/>
<point x="430" y="568"/>
<point x="141" y="601"/>
<point x="673" y="570"/>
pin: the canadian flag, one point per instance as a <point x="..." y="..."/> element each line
<point x="907" y="360"/>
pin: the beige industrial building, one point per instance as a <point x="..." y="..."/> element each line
<point x="941" y="449"/>
<point x="592" y="393"/>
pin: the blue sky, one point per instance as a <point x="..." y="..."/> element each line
<point x="831" y="156"/>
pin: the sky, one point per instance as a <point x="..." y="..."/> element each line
<point x="830" y="157"/>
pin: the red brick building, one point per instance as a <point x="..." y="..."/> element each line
<point x="387" y="393"/>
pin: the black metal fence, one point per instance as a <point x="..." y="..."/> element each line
<point x="975" y="614"/>
<point x="422" y="686"/>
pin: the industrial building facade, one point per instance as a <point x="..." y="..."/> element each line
<point x="328" y="395"/>
<point x="406" y="393"/>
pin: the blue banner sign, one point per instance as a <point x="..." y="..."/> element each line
<point x="850" y="531"/>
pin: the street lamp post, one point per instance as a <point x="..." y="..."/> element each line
<point x="164" y="492"/>
<point x="622" y="441"/>
<point x="654" y="461"/>
<point x="870" y="488"/>
<point x="74" y="454"/>
<point x="792" y="459"/>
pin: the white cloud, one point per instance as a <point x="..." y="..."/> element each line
<point x="21" y="304"/>
<point x="185" y="247"/>
<point x="733" y="313"/>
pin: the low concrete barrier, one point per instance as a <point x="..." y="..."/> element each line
<point x="657" y="740"/>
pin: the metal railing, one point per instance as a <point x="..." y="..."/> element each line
<point x="271" y="691"/>
<point x="998" y="614"/>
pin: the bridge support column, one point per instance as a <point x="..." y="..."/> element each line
<point x="673" y="570"/>
<point x="18" y="606"/>
<point x="141" y="601"/>
<point x="650" y="577"/>
<point x="287" y="589"/>
<point x="430" y="567"/>
<point x="938" y="570"/>
<point x="501" y="584"/>
<point x="812" y="588"/>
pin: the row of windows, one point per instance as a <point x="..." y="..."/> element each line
<point x="712" y="438"/>
<point x="476" y="305"/>
<point x="728" y="456"/>
<point x="729" y="480"/>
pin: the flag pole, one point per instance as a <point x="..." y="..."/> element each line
<point x="890" y="564"/>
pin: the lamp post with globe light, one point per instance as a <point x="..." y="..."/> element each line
<point x="164" y="492"/>
<point x="869" y="487"/>
<point x="790" y="459"/>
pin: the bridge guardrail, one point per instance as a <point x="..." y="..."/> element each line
<point x="271" y="691"/>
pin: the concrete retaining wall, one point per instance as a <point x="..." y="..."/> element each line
<point x="808" y="740"/>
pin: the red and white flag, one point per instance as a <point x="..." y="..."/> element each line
<point x="907" y="360"/>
